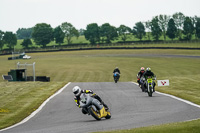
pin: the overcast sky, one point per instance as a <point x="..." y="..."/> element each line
<point x="16" y="14"/>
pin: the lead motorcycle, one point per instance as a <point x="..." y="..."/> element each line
<point x="149" y="85"/>
<point x="116" y="77"/>
<point x="93" y="107"/>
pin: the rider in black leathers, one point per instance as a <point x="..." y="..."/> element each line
<point x="116" y="70"/>
<point x="147" y="73"/>
<point x="140" y="74"/>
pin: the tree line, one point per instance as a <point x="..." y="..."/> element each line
<point x="176" y="26"/>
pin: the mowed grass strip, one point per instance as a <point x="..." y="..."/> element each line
<point x="19" y="99"/>
<point x="181" y="127"/>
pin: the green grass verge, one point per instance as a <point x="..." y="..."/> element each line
<point x="182" y="127"/>
<point x="19" y="99"/>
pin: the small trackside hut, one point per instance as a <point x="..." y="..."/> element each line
<point x="24" y="72"/>
<point x="18" y="74"/>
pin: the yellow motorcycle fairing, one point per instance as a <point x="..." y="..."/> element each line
<point x="103" y="112"/>
<point x="149" y="80"/>
<point x="97" y="114"/>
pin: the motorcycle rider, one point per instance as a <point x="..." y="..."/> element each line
<point x="116" y="70"/>
<point x="140" y="74"/>
<point x="77" y="93"/>
<point x="147" y="73"/>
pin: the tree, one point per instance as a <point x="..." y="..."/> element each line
<point x="139" y="30"/>
<point x="76" y="33"/>
<point x="23" y="33"/>
<point x="42" y="34"/>
<point x="188" y="28"/>
<point x="163" y="23"/>
<point x="10" y="39"/>
<point x="123" y="32"/>
<point x="1" y="39"/>
<point x="81" y="32"/>
<point x="179" y="19"/>
<point x="108" y="32"/>
<point x="197" y="27"/>
<point x="69" y="31"/>
<point x="148" y="28"/>
<point x="155" y="28"/>
<point x="92" y="33"/>
<point x="58" y="35"/>
<point x="26" y="42"/>
<point x="171" y="29"/>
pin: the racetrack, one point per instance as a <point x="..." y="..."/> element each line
<point x="130" y="108"/>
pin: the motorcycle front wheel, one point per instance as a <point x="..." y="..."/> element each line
<point x="95" y="114"/>
<point x="150" y="92"/>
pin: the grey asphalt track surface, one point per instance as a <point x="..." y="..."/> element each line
<point x="130" y="108"/>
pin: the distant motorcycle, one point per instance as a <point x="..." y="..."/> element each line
<point x="116" y="77"/>
<point x="93" y="107"/>
<point x="141" y="83"/>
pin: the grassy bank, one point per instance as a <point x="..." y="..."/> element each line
<point x="182" y="127"/>
<point x="21" y="98"/>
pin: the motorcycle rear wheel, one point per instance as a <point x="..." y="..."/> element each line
<point x="142" y="88"/>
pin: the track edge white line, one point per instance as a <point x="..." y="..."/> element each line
<point x="177" y="98"/>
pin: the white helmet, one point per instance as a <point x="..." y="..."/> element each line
<point x="142" y="68"/>
<point x="76" y="90"/>
<point x="148" y="69"/>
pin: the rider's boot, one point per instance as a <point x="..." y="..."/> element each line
<point x="154" y="87"/>
<point x="106" y="107"/>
